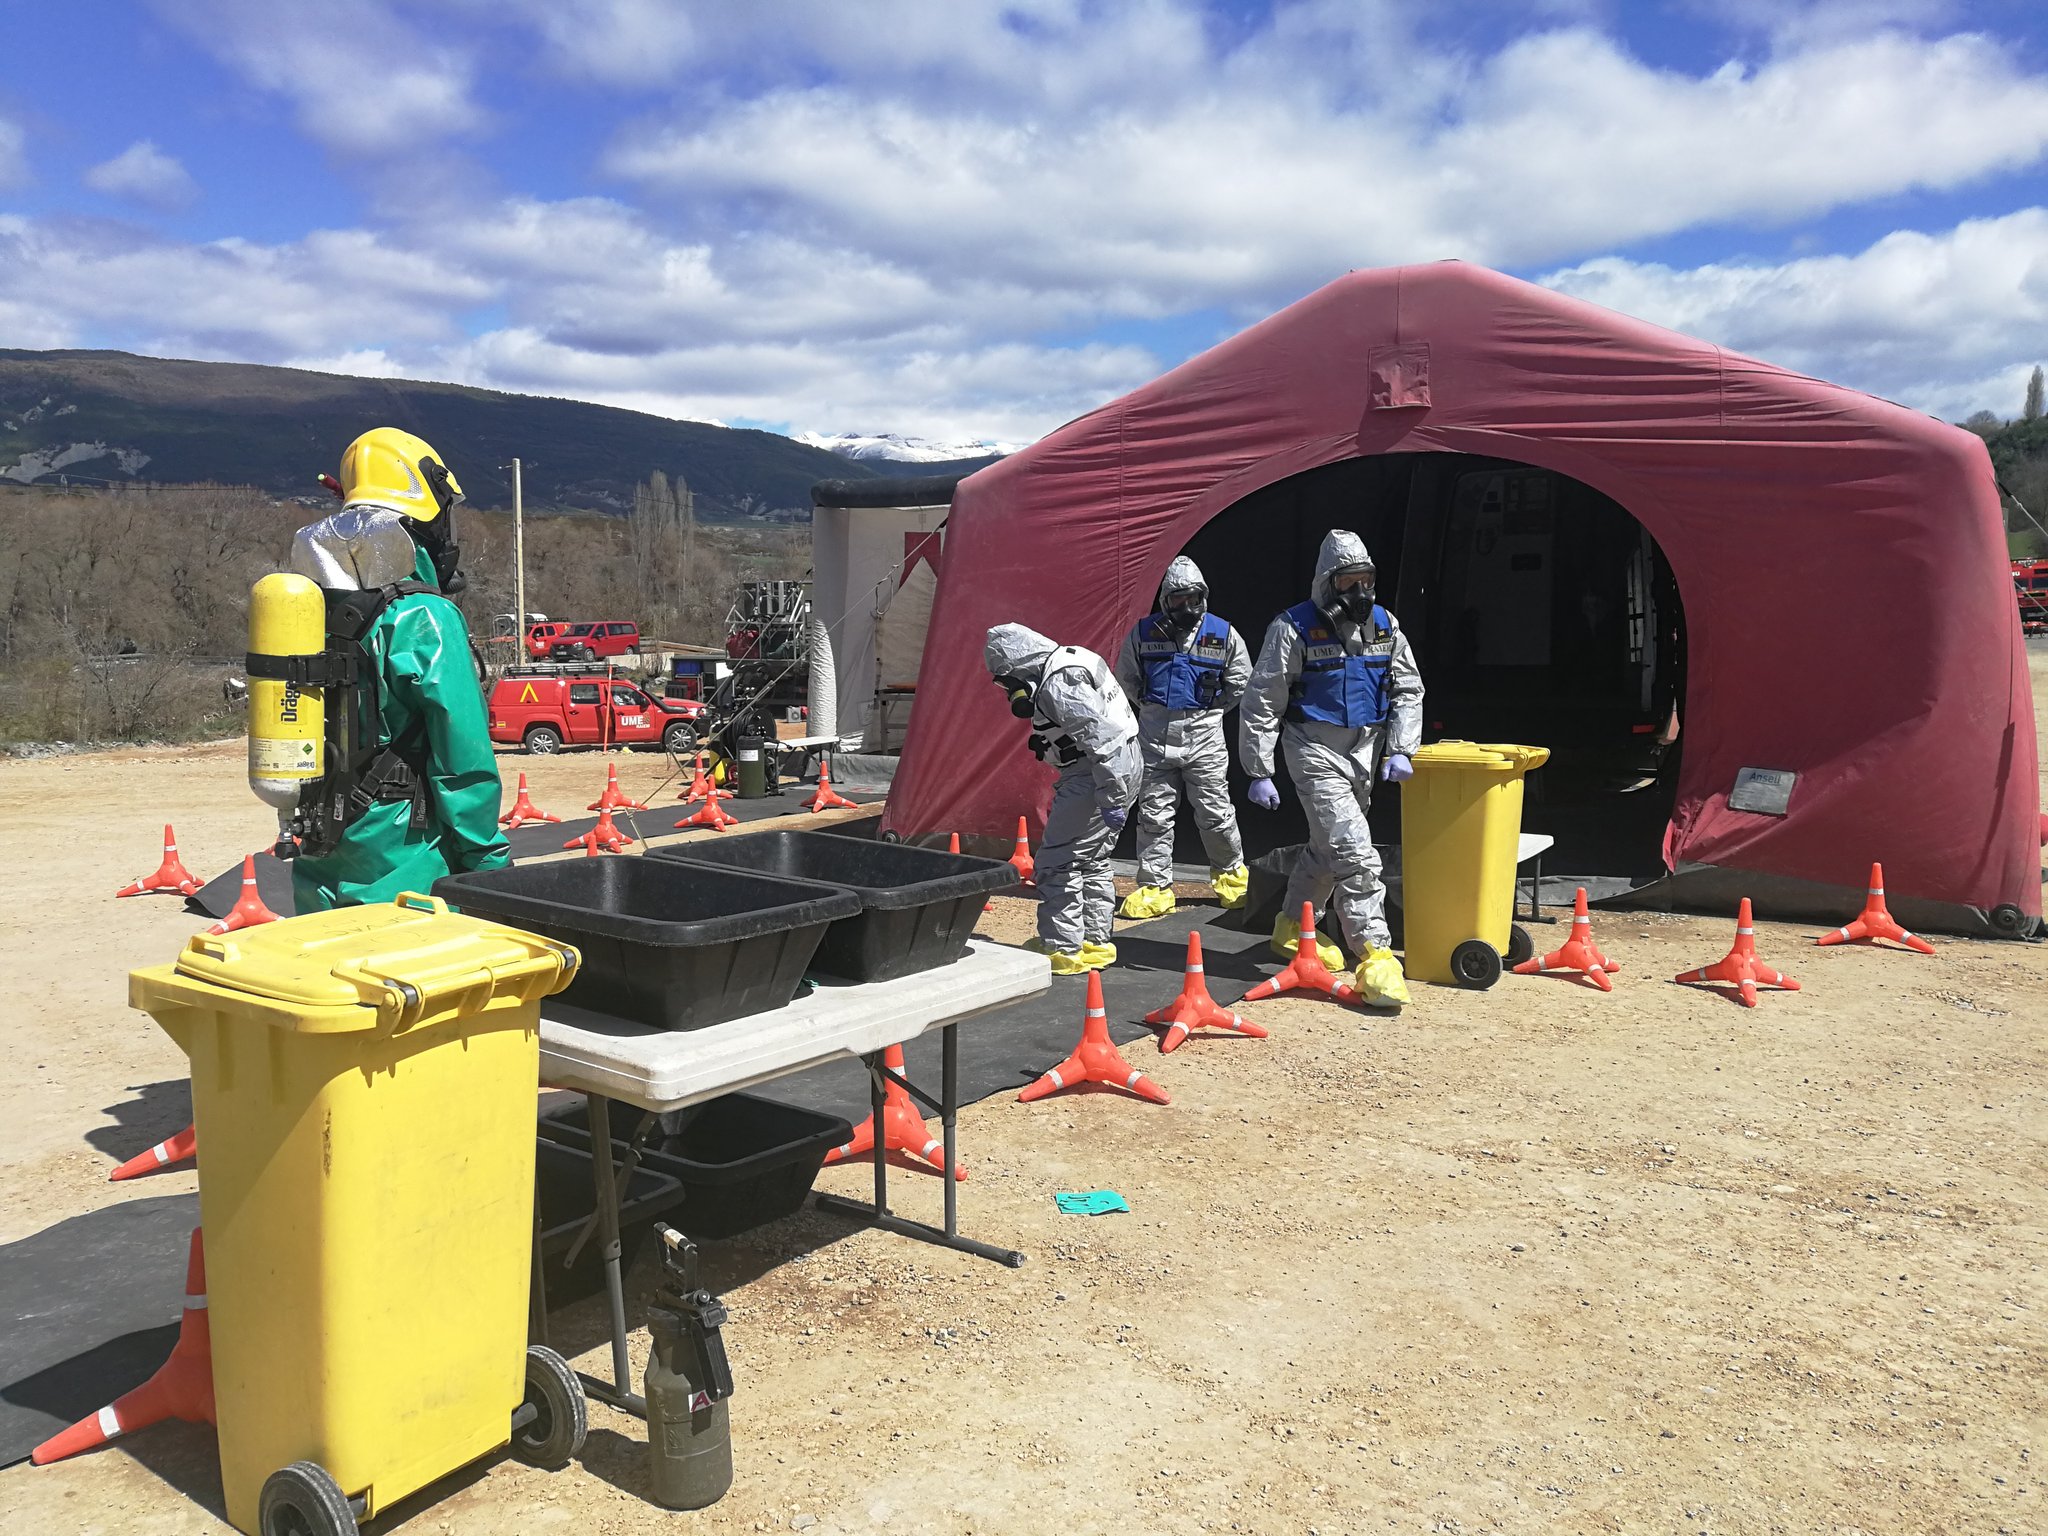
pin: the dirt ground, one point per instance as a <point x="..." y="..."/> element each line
<point x="1527" y="1260"/>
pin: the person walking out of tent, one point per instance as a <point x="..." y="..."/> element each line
<point x="1336" y="687"/>
<point x="424" y="802"/>
<point x="1081" y="723"/>
<point x="1183" y="667"/>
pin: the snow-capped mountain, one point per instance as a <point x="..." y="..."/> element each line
<point x="905" y="450"/>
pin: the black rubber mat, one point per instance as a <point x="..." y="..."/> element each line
<point x="90" y="1309"/>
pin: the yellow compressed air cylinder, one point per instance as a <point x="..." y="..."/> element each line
<point x="287" y="723"/>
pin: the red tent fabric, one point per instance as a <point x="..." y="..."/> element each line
<point x="1841" y="560"/>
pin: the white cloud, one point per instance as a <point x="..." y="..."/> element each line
<point x="13" y="156"/>
<point x="851" y="216"/>
<point x="1944" y="322"/>
<point x="364" y="81"/>
<point x="1265" y="172"/>
<point x="231" y="298"/>
<point x="144" y="174"/>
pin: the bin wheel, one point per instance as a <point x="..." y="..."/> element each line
<point x="1521" y="944"/>
<point x="561" y="1418"/>
<point x="1476" y="964"/>
<point x="2008" y="921"/>
<point x="302" y="1500"/>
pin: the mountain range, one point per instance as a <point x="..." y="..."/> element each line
<point x="111" y="417"/>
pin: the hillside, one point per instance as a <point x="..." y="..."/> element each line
<point x="109" y="417"/>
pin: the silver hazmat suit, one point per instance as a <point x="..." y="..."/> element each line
<point x="1184" y="749"/>
<point x="1092" y="738"/>
<point x="1333" y="767"/>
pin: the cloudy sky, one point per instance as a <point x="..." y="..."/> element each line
<point x="975" y="220"/>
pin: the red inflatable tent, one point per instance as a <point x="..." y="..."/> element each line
<point x="1849" y="616"/>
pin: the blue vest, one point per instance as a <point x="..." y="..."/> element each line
<point x="1335" y="686"/>
<point x="1180" y="679"/>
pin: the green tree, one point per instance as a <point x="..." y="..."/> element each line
<point x="2031" y="411"/>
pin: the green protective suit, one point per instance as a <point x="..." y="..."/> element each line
<point x="426" y="678"/>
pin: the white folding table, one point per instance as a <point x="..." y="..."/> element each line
<point x="606" y="1058"/>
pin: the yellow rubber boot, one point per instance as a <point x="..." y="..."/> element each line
<point x="1380" y="981"/>
<point x="1064" y="963"/>
<point x="1147" y="901"/>
<point x="1231" y="885"/>
<point x="1287" y="938"/>
<point x="1095" y="956"/>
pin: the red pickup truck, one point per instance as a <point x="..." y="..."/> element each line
<point x="597" y="641"/>
<point x="546" y="714"/>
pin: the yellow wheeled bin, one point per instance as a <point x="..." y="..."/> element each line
<point x="363" y="1089"/>
<point x="1461" y="826"/>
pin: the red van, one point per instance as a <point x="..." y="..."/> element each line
<point x="546" y="714"/>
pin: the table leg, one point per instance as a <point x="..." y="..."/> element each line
<point x="618" y="1391"/>
<point x="879" y="1214"/>
<point x="949" y="1121"/>
<point x="877" y="1102"/>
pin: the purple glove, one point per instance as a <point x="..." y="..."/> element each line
<point x="1114" y="817"/>
<point x="1264" y="794"/>
<point x="1397" y="768"/>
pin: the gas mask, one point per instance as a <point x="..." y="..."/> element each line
<point x="1184" y="610"/>
<point x="1354" y="602"/>
<point x="438" y="540"/>
<point x="1021" y="692"/>
<point x="438" y="537"/>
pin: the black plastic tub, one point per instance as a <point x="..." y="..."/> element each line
<point x="567" y="1195"/>
<point x="742" y="1161"/>
<point x="918" y="905"/>
<point x="680" y="946"/>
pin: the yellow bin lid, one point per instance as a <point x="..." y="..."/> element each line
<point x="404" y="959"/>
<point x="1493" y="757"/>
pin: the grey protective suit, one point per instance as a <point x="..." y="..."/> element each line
<point x="1184" y="748"/>
<point x="1092" y="738"/>
<point x="1333" y="767"/>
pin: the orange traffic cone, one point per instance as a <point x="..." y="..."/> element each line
<point x="608" y="834"/>
<point x="1196" y="1009"/>
<point x="173" y="1150"/>
<point x="1579" y="953"/>
<point x="953" y="843"/>
<point x="710" y="814"/>
<point x="248" y="909"/>
<point x="701" y="785"/>
<point x="1741" y="968"/>
<point x="182" y="1387"/>
<point x="591" y="845"/>
<point x="1306" y="971"/>
<point x="1021" y="860"/>
<point x="825" y="799"/>
<point x="613" y="798"/>
<point x="903" y="1128"/>
<point x="524" y="810"/>
<point x="1095" y="1059"/>
<point x="171" y="875"/>
<point x="1876" y="922"/>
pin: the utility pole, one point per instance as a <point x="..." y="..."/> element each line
<point x="518" y="565"/>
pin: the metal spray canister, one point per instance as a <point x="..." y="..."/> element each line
<point x="689" y="1444"/>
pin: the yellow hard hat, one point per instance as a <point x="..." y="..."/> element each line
<point x="389" y="468"/>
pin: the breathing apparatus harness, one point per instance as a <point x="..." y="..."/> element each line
<point x="359" y="772"/>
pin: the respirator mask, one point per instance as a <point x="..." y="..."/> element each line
<point x="1355" y="602"/>
<point x="1021" y="692"/>
<point x="1184" y="610"/>
<point x="438" y="537"/>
